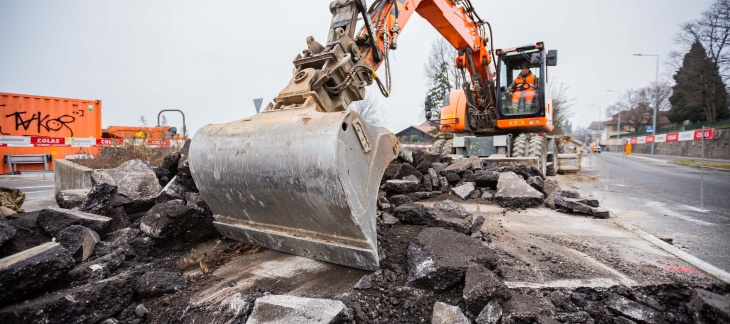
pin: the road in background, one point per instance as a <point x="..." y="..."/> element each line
<point x="664" y="199"/>
<point x="39" y="188"/>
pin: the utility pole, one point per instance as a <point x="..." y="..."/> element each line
<point x="598" y="165"/>
<point x="656" y="102"/>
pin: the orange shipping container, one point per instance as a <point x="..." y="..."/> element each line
<point x="29" y="115"/>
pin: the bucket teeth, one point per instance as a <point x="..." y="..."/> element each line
<point x="297" y="181"/>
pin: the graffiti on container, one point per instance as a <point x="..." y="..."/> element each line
<point x="1" y="128"/>
<point x="42" y="123"/>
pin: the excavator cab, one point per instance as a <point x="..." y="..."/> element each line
<point x="523" y="97"/>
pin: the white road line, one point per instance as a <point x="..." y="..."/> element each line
<point x="35" y="187"/>
<point x="691" y="259"/>
<point x="663" y="208"/>
<point x="570" y="283"/>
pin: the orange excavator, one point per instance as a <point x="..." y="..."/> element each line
<point x="303" y="175"/>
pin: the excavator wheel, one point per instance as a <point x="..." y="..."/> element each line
<point x="536" y="148"/>
<point x="519" y="146"/>
<point x="436" y="146"/>
<point x="448" y="147"/>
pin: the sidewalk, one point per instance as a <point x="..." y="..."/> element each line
<point x="670" y="157"/>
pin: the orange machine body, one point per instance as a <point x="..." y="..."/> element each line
<point x="456" y="22"/>
<point x="30" y="115"/>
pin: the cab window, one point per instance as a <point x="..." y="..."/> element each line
<point x="519" y="86"/>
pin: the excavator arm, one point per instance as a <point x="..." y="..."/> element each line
<point x="368" y="48"/>
<point x="456" y="21"/>
<point x="303" y="175"/>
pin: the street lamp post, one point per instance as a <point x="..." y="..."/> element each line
<point x="656" y="102"/>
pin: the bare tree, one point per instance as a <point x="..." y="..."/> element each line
<point x="370" y="109"/>
<point x="637" y="106"/>
<point x="561" y="106"/>
<point x="582" y="134"/>
<point x="712" y="30"/>
<point x="442" y="52"/>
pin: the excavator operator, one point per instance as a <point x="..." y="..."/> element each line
<point x="523" y="90"/>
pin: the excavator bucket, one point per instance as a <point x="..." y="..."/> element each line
<point x="297" y="180"/>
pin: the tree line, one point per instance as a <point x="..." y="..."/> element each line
<point x="702" y="69"/>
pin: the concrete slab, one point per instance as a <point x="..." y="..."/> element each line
<point x="39" y="203"/>
<point x="289" y="309"/>
<point x="279" y="273"/>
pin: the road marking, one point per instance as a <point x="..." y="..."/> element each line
<point x="35" y="187"/>
<point x="662" y="207"/>
<point x="39" y="191"/>
<point x="691" y="259"/>
<point x="570" y="283"/>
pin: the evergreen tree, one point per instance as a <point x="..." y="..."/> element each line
<point x="699" y="93"/>
<point x="440" y="87"/>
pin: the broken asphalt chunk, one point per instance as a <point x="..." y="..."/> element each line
<point x="89" y="303"/>
<point x="464" y="190"/>
<point x="446" y="314"/>
<point x="54" y="220"/>
<point x="514" y="192"/>
<point x="79" y="241"/>
<point x="481" y="286"/>
<point x="99" y="199"/>
<point x="71" y="198"/>
<point x="27" y="272"/>
<point x="439" y="258"/>
<point x="291" y="309"/>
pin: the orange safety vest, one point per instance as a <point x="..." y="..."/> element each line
<point x="529" y="80"/>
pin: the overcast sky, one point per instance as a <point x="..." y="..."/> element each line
<point x="212" y="58"/>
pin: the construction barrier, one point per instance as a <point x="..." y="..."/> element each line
<point x="41" y="141"/>
<point x="61" y="147"/>
<point x="693" y="135"/>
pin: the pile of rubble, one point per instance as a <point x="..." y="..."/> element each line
<point x="116" y="253"/>
<point x="423" y="175"/>
<point x="106" y="252"/>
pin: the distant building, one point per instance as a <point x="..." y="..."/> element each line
<point x="417" y="136"/>
<point x="597" y="131"/>
<point x="631" y="118"/>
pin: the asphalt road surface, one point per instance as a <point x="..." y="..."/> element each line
<point x="38" y="187"/>
<point x="664" y="199"/>
<point x="35" y="185"/>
